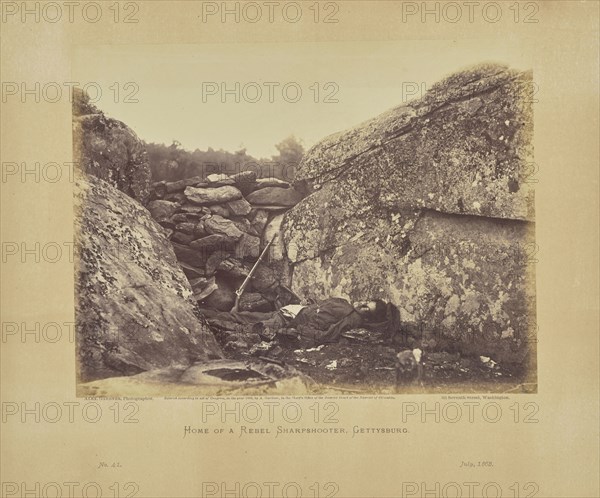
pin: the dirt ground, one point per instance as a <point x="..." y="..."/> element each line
<point x="359" y="364"/>
<point x="368" y="365"/>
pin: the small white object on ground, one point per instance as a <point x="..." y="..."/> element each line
<point x="417" y="353"/>
<point x="292" y="310"/>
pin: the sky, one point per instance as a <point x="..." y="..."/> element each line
<point x="309" y="90"/>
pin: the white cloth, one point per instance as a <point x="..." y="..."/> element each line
<point x="292" y="310"/>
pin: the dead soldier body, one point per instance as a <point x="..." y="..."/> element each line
<point x="325" y="322"/>
<point x="318" y="323"/>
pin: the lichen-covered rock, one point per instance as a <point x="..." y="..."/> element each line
<point x="465" y="147"/>
<point x="110" y="150"/>
<point x="428" y="206"/>
<point x="133" y="304"/>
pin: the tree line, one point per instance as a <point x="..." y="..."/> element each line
<point x="173" y="162"/>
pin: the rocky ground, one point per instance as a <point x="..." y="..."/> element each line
<point x="363" y="362"/>
<point x="346" y="368"/>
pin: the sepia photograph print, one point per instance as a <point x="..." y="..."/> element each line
<point x="299" y="249"/>
<point x="304" y="219"/>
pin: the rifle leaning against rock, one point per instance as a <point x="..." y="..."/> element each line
<point x="240" y="291"/>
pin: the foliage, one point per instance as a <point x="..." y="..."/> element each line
<point x="173" y="162"/>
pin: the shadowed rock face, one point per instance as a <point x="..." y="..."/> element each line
<point x="133" y="304"/>
<point x="428" y="205"/>
<point x="110" y="150"/>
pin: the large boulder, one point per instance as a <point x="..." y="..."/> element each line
<point x="133" y="305"/>
<point x="110" y="150"/>
<point x="428" y="205"/>
<point x="465" y="148"/>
